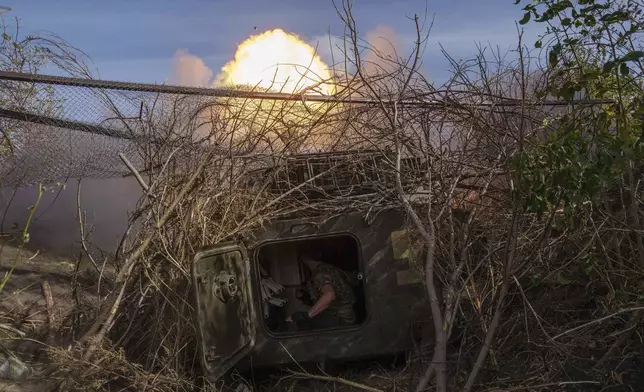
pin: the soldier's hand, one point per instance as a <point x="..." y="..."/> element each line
<point x="299" y="317"/>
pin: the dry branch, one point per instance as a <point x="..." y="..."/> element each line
<point x="49" y="303"/>
<point x="338" y="380"/>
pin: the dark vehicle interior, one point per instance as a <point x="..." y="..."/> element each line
<point x="283" y="277"/>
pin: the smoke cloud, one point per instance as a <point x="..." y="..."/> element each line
<point x="106" y="204"/>
<point x="384" y="50"/>
<point x="329" y="48"/>
<point x="190" y="70"/>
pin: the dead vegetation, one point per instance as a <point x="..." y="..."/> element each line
<point x="540" y="300"/>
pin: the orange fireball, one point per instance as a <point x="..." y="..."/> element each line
<point x="278" y="61"/>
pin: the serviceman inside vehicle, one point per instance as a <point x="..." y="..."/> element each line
<point x="332" y="295"/>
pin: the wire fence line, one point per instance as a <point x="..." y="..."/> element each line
<point x="54" y="128"/>
<point x="250" y="93"/>
<point x="52" y="131"/>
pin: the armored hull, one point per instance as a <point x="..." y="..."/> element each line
<point x="239" y="327"/>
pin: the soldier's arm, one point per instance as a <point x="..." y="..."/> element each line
<point x="327" y="297"/>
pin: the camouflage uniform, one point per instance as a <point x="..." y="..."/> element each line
<point x="342" y="306"/>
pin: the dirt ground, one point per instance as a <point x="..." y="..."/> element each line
<point x="37" y="296"/>
<point x="39" y="288"/>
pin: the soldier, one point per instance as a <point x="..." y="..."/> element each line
<point x="332" y="296"/>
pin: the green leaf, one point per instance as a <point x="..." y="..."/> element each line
<point x="623" y="69"/>
<point x="608" y="66"/>
<point x="538" y="44"/>
<point x="590" y="76"/>
<point x="552" y="58"/>
<point x="571" y="41"/>
<point x="566" y="22"/>
<point x="615" y="17"/>
<point x="525" y="19"/>
<point x="633" y="55"/>
<point x="517" y="2"/>
<point x="546" y="16"/>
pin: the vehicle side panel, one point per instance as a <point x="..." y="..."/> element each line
<point x="393" y="300"/>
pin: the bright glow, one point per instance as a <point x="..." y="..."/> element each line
<point x="277" y="61"/>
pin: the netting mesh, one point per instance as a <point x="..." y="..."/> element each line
<point x="57" y="128"/>
<point x="54" y="131"/>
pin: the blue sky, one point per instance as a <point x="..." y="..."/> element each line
<point x="136" y="40"/>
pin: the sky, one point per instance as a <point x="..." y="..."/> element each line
<point x="137" y="40"/>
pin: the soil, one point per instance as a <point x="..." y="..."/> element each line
<point x="36" y="300"/>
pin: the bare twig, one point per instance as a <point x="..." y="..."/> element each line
<point x="338" y="380"/>
<point x="49" y="303"/>
<point x="134" y="172"/>
<point x="539" y="386"/>
<point x="107" y="316"/>
<point x="599" y="320"/>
